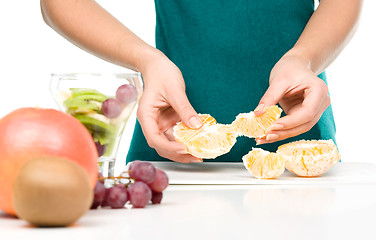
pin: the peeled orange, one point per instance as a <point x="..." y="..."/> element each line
<point x="209" y="141"/>
<point x="263" y="164"/>
<point x="250" y="125"/>
<point x="309" y="158"/>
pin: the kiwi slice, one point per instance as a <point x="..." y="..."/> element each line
<point x="83" y="103"/>
<point x="80" y="105"/>
<point x="109" y="148"/>
<point x="85" y="91"/>
<point x="102" y="132"/>
<point x="97" y="127"/>
<point x="89" y="97"/>
<point x="100" y="138"/>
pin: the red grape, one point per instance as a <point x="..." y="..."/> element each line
<point x="156" y="197"/>
<point x="99" y="194"/>
<point x="130" y="166"/>
<point x="160" y="182"/>
<point x="117" y="196"/>
<point x="105" y="200"/>
<point x="147" y="185"/>
<point x="126" y="93"/>
<point x="95" y="205"/>
<point x="142" y="171"/>
<point x="100" y="148"/>
<point x="111" y="108"/>
<point x="139" y="194"/>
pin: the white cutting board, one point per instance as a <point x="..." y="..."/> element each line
<point x="235" y="173"/>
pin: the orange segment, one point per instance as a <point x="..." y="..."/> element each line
<point x="209" y="141"/>
<point x="250" y="125"/>
<point x="309" y="158"/>
<point x="263" y="164"/>
<point x="183" y="133"/>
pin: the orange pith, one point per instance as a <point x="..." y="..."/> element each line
<point x="263" y="164"/>
<point x="209" y="141"/>
<point x="309" y="158"/>
<point x="250" y="125"/>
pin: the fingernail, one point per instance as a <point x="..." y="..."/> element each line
<point x="183" y="151"/>
<point x="271" y="137"/>
<point x="276" y="126"/>
<point x="259" y="142"/>
<point x="259" y="107"/>
<point x="196" y="160"/>
<point x="195" y="122"/>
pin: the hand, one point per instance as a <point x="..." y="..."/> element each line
<point x="302" y="95"/>
<point x="163" y="104"/>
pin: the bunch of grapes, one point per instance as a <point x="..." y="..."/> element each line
<point x="145" y="184"/>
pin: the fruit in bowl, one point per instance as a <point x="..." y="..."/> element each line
<point x="102" y="115"/>
<point x="103" y="103"/>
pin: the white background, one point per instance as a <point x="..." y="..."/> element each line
<point x="30" y="51"/>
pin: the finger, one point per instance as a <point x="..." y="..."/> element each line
<point x="154" y="137"/>
<point x="274" y="136"/>
<point x="184" y="109"/>
<point x="312" y="106"/>
<point x="182" y="158"/>
<point x="169" y="133"/>
<point x="272" y="96"/>
<point x="167" y="119"/>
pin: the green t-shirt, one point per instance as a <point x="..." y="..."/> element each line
<point x="225" y="51"/>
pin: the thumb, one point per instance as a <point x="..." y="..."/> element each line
<point x="272" y="96"/>
<point x="184" y="109"/>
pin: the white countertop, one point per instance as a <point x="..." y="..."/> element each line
<point x="230" y="211"/>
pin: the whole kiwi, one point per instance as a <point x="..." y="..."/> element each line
<point x="52" y="192"/>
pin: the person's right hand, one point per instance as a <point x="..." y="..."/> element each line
<point x="163" y="104"/>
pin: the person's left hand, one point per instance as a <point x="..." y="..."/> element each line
<point x="301" y="94"/>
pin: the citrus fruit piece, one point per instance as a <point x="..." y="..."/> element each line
<point x="263" y="164"/>
<point x="309" y="158"/>
<point x="209" y="141"/>
<point x="250" y="125"/>
<point x="182" y="133"/>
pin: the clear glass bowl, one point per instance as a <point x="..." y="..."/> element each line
<point x="92" y="98"/>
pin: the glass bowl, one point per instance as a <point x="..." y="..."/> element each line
<point x="103" y="104"/>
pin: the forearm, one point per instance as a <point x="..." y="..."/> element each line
<point x="327" y="32"/>
<point x="86" y="24"/>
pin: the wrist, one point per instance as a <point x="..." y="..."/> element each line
<point x="300" y="55"/>
<point x="292" y="66"/>
<point x="148" y="56"/>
